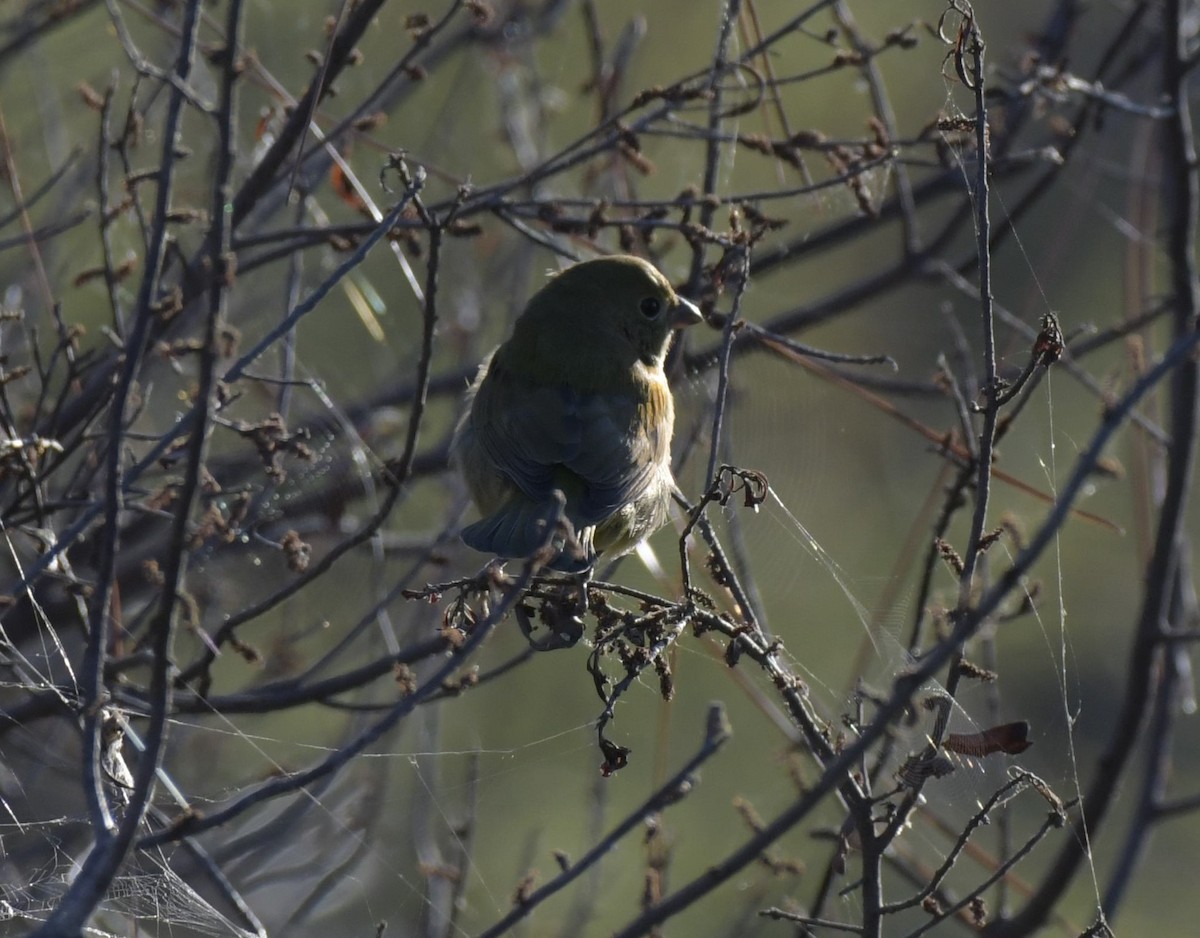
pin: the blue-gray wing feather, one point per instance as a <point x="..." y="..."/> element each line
<point x="535" y="432"/>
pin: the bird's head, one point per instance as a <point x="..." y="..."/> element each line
<point x="620" y="307"/>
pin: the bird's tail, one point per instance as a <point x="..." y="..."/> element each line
<point x="519" y="528"/>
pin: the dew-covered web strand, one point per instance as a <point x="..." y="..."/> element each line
<point x="1063" y="638"/>
<point x="886" y="647"/>
<point x="583" y="731"/>
<point x="45" y="628"/>
<point x="1051" y="473"/>
<point x="365" y="461"/>
<point x="146" y="889"/>
<point x="252" y="740"/>
<point x="362" y="460"/>
<point x="947" y="799"/>
<point x="817" y="552"/>
<point x="1060" y="660"/>
<point x="157" y="893"/>
<point x="796" y="529"/>
<point x="890" y="656"/>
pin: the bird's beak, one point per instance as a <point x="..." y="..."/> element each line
<point x="685" y="314"/>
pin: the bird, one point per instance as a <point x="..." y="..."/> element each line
<point x="575" y="406"/>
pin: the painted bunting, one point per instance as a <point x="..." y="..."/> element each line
<point x="576" y="401"/>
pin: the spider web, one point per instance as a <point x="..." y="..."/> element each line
<point x="450" y="819"/>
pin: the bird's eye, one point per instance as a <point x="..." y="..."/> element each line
<point x="651" y="306"/>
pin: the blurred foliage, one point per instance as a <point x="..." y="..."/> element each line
<point x="809" y="175"/>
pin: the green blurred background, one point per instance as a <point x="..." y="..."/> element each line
<point x="863" y="486"/>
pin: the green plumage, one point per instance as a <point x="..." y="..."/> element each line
<point x="576" y="401"/>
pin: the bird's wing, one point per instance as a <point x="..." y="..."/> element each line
<point x="519" y="528"/>
<point x="601" y="448"/>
